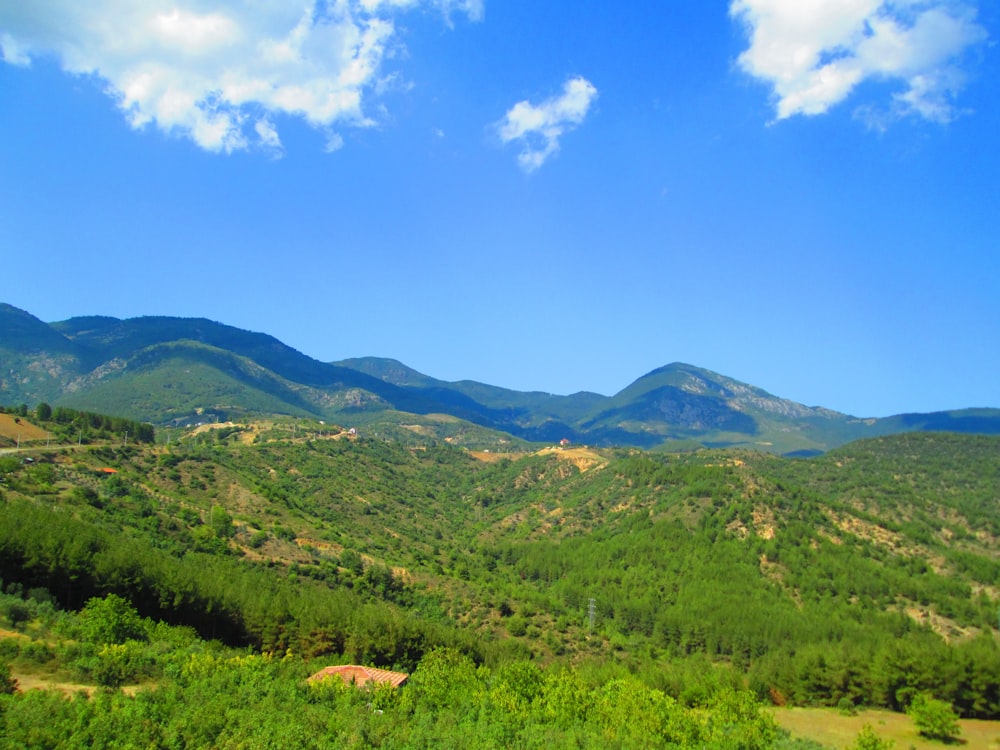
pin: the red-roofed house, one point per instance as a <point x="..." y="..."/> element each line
<point x="361" y="676"/>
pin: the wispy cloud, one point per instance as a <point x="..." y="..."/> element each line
<point x="539" y="127"/>
<point x="268" y="136"/>
<point x="474" y="9"/>
<point x="814" y="53"/>
<point x="215" y="71"/>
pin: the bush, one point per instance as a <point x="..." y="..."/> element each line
<point x="9" y="464"/>
<point x="111" y="620"/>
<point x="222" y="522"/>
<point x="86" y="495"/>
<point x="37" y="652"/>
<point x="934" y="718"/>
<point x="517" y="626"/>
<point x="8" y="685"/>
<point x="868" y="740"/>
<point x="115" y="486"/>
<point x="119" y="663"/>
<point x="846" y="707"/>
<point x="17" y="612"/>
<point x="10" y="648"/>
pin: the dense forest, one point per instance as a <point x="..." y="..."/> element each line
<point x="570" y="596"/>
<point x="206" y="696"/>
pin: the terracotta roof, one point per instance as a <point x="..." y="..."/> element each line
<point x="360" y="676"/>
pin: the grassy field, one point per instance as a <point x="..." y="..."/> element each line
<point x="10" y="429"/>
<point x="835" y="730"/>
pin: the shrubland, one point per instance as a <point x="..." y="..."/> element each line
<point x="535" y="598"/>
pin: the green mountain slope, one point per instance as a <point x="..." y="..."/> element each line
<point x="982" y="421"/>
<point x="174" y="382"/>
<point x="525" y="413"/>
<point x="110" y="338"/>
<point x="859" y="577"/>
<point x="35" y="359"/>
<point x="178" y="370"/>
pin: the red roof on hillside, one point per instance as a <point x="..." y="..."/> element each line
<point x="360" y="676"/>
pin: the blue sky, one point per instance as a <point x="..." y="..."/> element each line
<point x="555" y="196"/>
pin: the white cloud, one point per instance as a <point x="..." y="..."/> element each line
<point x="539" y="127"/>
<point x="814" y="53"/>
<point x="218" y="71"/>
<point x="334" y="142"/>
<point x="268" y="136"/>
<point x="474" y="9"/>
<point x="12" y="51"/>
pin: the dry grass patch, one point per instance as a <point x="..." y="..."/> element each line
<point x="419" y="429"/>
<point x="32" y="681"/>
<point x="488" y="457"/>
<point x="835" y="730"/>
<point x="10" y="429"/>
<point x="582" y="458"/>
<point x="869" y="531"/>
<point x="203" y="428"/>
<point x="943" y="626"/>
<point x="26" y="682"/>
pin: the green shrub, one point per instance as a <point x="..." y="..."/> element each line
<point x="10" y="648"/>
<point x="8" y="685"/>
<point x="17" y="612"/>
<point x="37" y="652"/>
<point x="846" y="707"/>
<point x="117" y="664"/>
<point x="867" y="739"/>
<point x="934" y="718"/>
<point x="111" y="620"/>
<point x="517" y="626"/>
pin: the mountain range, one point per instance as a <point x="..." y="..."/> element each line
<point x="177" y="371"/>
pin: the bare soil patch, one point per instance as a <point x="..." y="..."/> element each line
<point x="583" y="458"/>
<point x="26" y="682"/>
<point x="868" y="531"/>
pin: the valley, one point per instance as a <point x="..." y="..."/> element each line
<point x="855" y="579"/>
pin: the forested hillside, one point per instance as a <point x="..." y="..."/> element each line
<point x="867" y="576"/>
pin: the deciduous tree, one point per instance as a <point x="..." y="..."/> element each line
<point x="934" y="718"/>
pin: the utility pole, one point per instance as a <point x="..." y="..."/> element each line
<point x="591" y="611"/>
<point x="126" y="438"/>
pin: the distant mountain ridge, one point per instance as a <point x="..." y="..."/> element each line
<point x="171" y="370"/>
